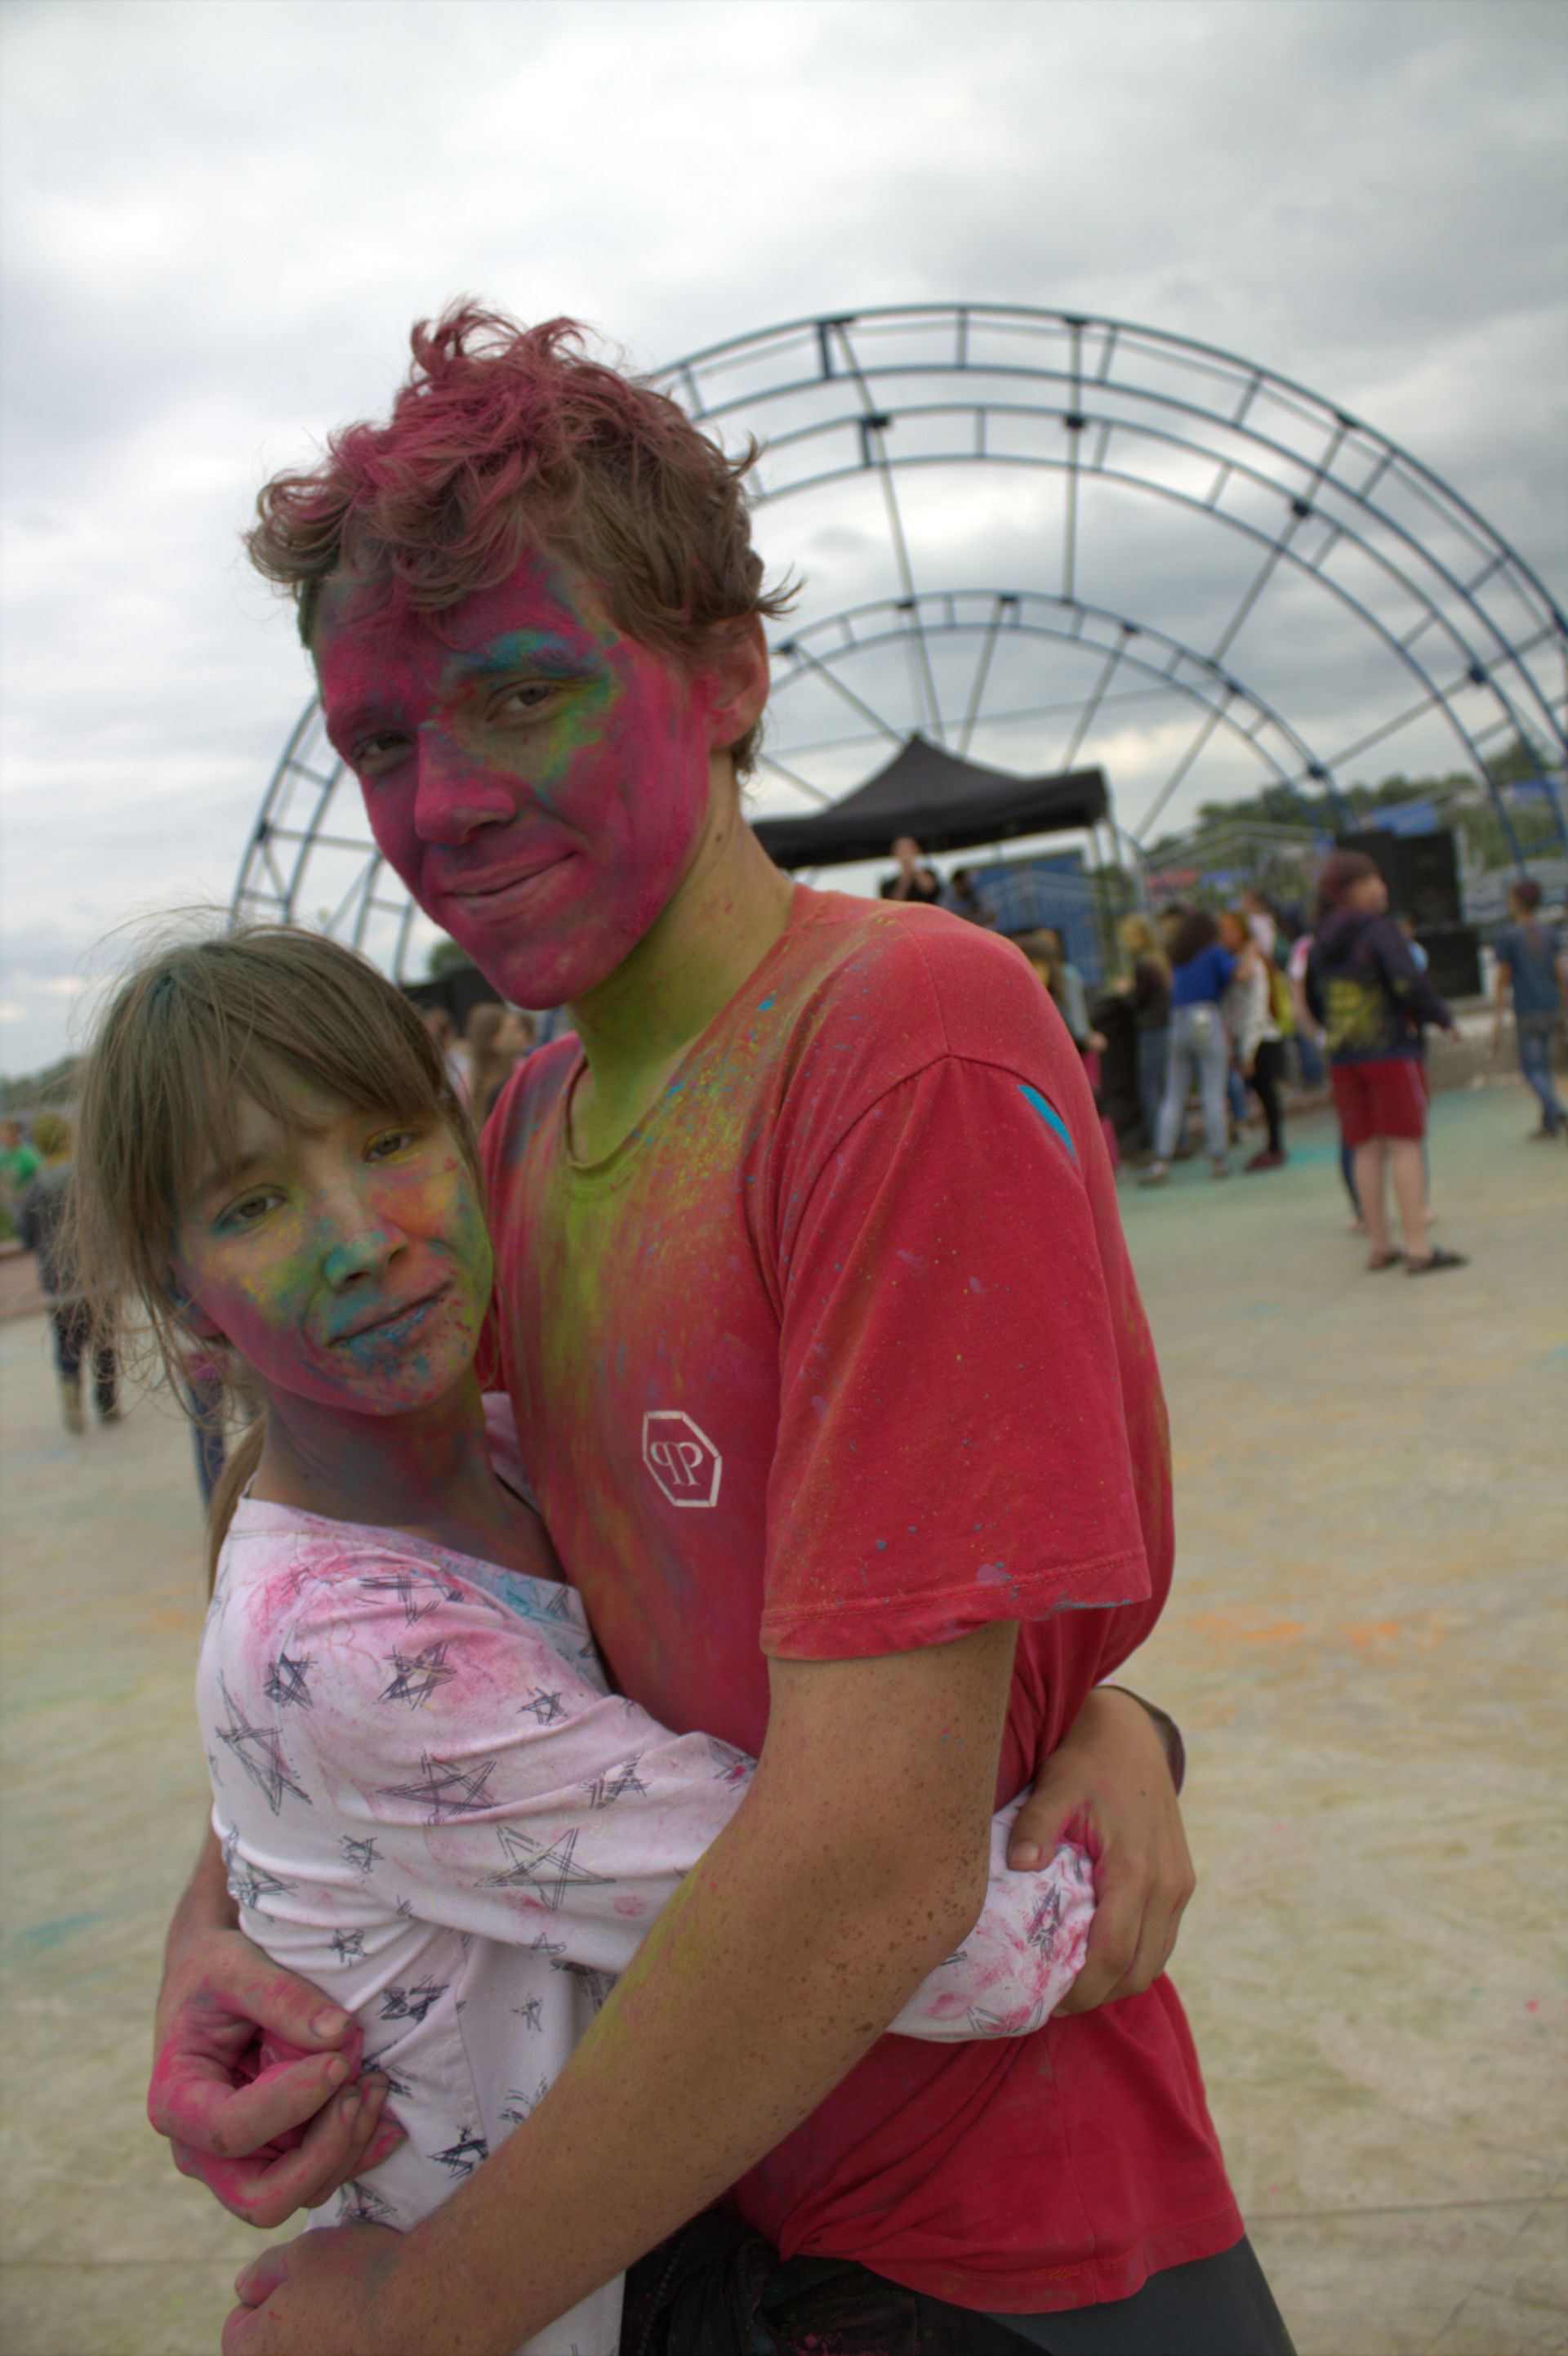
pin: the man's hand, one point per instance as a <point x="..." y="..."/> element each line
<point x="327" y="2290"/>
<point x="1109" y="1786"/>
<point x="266" y="2133"/>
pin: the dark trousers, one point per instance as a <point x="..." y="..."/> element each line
<point x="72" y="1322"/>
<point x="1213" y="2307"/>
<point x="1268" y="1070"/>
<point x="716" y="2289"/>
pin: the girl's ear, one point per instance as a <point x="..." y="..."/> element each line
<point x="194" y="1319"/>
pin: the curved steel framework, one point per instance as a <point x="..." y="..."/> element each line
<point x="1330" y="594"/>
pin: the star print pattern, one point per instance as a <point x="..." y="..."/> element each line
<point x="249" y="1884"/>
<point x="447" y="1788"/>
<point x="259" y="1750"/>
<point x="545" y="1708"/>
<point x="411" y="2003"/>
<point x="358" y="2205"/>
<point x="596" y="1986"/>
<point x="550" y="1871"/>
<point x="462" y="2156"/>
<point x="285" y="1683"/>
<point x="468" y="1838"/>
<point x="395" y="2085"/>
<point x="414" y="1681"/>
<point x="421" y="1592"/>
<point x="730" y="1765"/>
<point x="521" y="2100"/>
<point x="1021" y="2023"/>
<point x="604" y="1791"/>
<point x="1045" y="1923"/>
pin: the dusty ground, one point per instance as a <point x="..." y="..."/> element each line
<point x="1365" y="1648"/>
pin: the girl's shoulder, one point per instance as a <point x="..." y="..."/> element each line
<point x="281" y="1564"/>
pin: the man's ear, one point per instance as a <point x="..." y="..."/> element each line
<point x="734" y="678"/>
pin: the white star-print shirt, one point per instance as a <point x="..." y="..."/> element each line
<point x="431" y="1805"/>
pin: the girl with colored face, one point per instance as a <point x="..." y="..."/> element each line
<point x="428" y="1800"/>
<point x="342" y="1254"/>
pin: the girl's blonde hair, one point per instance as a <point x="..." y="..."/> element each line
<point x="198" y="1025"/>
<point x="1139" y="939"/>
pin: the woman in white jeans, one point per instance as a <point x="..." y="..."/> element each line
<point x="1200" y="973"/>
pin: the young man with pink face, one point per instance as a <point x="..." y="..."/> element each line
<point x="831" y="1376"/>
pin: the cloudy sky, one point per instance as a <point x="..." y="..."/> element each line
<point x="220" y="219"/>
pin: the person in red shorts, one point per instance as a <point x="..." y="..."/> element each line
<point x="830" y="1373"/>
<point x="1372" y="998"/>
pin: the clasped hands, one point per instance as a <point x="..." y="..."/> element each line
<point x="257" y="2085"/>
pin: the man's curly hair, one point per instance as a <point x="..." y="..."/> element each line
<point x="506" y="437"/>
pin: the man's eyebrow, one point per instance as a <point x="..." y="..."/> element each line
<point x="345" y="721"/>
<point x="505" y="654"/>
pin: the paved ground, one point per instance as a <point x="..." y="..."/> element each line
<point x="1361" y="1647"/>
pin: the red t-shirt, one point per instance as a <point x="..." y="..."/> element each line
<point x="839" y="1354"/>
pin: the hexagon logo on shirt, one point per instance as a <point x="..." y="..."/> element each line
<point x="681" y="1457"/>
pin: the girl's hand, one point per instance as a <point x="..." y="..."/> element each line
<point x="265" y="2135"/>
<point x="1109" y="1786"/>
<point x="328" y="2293"/>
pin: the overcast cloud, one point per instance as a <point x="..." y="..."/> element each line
<point x="221" y="219"/>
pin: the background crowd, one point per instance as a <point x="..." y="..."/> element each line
<point x="1215" y="1011"/>
<point x="1217" y="1020"/>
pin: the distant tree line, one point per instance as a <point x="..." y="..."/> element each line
<point x="1324" y="813"/>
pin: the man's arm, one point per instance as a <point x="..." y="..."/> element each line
<point x="1102" y="1785"/>
<point x="856" y="1863"/>
<point x="242" y="2136"/>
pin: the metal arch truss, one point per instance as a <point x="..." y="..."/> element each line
<point x="1214" y="435"/>
<point x="991" y="614"/>
<point x="1306" y="492"/>
<point x="312" y="812"/>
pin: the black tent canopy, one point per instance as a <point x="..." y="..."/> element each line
<point x="946" y="803"/>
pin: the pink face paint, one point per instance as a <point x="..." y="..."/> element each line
<point x="346" y="1258"/>
<point x="539" y="781"/>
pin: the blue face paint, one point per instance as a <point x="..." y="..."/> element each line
<point x="1049" y="1115"/>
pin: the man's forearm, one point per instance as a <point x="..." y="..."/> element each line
<point x="856" y="1863"/>
<point x="760" y="1988"/>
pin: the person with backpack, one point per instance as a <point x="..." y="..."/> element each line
<point x="1372" y="998"/>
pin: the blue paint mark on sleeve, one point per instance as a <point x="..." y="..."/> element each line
<point x="1049" y="1115"/>
<point x="763" y="1004"/>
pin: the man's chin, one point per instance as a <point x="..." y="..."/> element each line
<point x="541" y="974"/>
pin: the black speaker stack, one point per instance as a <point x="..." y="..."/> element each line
<point x="1422" y="872"/>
